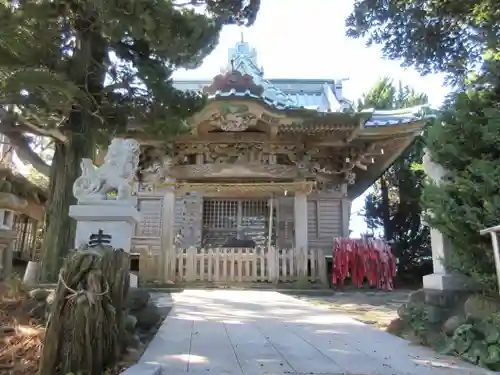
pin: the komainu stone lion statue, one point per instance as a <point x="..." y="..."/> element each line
<point x="114" y="176"/>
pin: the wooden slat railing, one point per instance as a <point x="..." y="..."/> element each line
<point x="236" y="265"/>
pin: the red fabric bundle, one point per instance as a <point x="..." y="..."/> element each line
<point x="360" y="258"/>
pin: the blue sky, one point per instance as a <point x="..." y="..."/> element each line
<point x="298" y="41"/>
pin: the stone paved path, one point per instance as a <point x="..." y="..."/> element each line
<point x="265" y="332"/>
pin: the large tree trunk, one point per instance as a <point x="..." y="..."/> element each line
<point x="60" y="229"/>
<point x="87" y="70"/>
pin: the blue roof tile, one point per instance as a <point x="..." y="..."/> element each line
<point x="314" y="94"/>
<point x="396" y="117"/>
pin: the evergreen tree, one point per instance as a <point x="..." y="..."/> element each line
<point x="466" y="142"/>
<point x="394" y="202"/>
<point x="80" y="71"/>
<point x="430" y="35"/>
<point x="457" y="38"/>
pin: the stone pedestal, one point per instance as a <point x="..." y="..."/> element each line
<point x="112" y="218"/>
<point x="446" y="281"/>
<point x="441" y="279"/>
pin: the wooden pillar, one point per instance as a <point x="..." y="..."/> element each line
<point x="199" y="159"/>
<point x="167" y="251"/>
<point x="300" y="220"/>
<point x="346" y="216"/>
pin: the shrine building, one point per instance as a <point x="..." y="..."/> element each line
<point x="266" y="163"/>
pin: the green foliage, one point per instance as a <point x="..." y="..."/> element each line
<point x="386" y="94"/>
<point x="80" y="72"/>
<point x="458" y="38"/>
<point x="394" y="202"/>
<point x="415" y="318"/>
<point x="466" y="142"/>
<point x="95" y="68"/>
<point x="430" y="35"/>
<point x="478" y="343"/>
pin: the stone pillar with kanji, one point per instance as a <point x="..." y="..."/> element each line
<point x="106" y="212"/>
<point x="441" y="246"/>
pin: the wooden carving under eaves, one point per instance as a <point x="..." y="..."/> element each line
<point x="236" y="171"/>
<point x="234" y="81"/>
<point x="233" y="118"/>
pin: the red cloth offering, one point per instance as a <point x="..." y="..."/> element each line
<point x="363" y="258"/>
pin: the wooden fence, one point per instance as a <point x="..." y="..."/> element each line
<point x="238" y="265"/>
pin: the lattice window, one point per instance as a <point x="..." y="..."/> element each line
<point x="228" y="221"/>
<point x="220" y="214"/>
<point x="150" y="226"/>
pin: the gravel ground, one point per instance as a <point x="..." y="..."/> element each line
<point x="376" y="308"/>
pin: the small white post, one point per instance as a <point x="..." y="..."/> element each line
<point x="493" y="231"/>
<point x="494" y="240"/>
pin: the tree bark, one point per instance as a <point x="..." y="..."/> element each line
<point x="87" y="70"/>
<point x="386" y="216"/>
<point x="60" y="228"/>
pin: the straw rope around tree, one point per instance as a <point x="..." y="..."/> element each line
<point x="86" y="329"/>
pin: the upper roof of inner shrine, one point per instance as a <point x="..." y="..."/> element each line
<point x="302" y="123"/>
<point x="244" y="79"/>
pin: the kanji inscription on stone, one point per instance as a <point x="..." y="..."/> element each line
<point x="99" y="238"/>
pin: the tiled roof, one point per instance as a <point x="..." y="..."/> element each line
<point x="243" y="59"/>
<point x="396" y="117"/>
<point x="314" y="94"/>
<point x="319" y="95"/>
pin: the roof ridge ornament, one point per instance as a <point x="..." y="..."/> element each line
<point x="234" y="81"/>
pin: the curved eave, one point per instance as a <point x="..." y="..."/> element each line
<point x="412" y="117"/>
<point x="388" y="128"/>
<point x="233" y="94"/>
<point x="279" y="105"/>
<point x="399" y="128"/>
<point x="399" y="144"/>
<point x="286" y="115"/>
